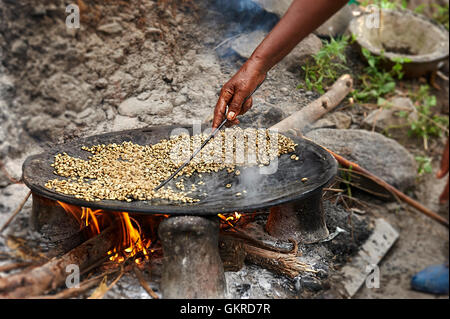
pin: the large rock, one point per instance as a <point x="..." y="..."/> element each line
<point x="378" y="154"/>
<point x="153" y="105"/>
<point x="245" y="44"/>
<point x="389" y="117"/>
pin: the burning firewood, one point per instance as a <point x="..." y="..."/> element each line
<point x="52" y="274"/>
<point x="283" y="264"/>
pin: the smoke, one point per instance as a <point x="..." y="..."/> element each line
<point x="247" y="15"/>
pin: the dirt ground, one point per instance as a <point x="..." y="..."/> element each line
<point x="57" y="84"/>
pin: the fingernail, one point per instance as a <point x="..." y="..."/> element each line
<point x="231" y="116"/>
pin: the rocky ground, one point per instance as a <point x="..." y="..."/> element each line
<point x="142" y="63"/>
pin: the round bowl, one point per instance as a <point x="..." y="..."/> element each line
<point x="403" y="34"/>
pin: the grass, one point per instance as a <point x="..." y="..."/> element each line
<point x="376" y="83"/>
<point x="428" y="124"/>
<point x="327" y="65"/>
<point x="424" y="165"/>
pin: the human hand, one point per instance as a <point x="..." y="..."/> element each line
<point x="443" y="171"/>
<point x="234" y="93"/>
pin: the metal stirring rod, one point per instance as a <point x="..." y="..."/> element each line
<point x="216" y="130"/>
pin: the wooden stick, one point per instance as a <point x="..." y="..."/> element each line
<point x="85" y="285"/>
<point x="13" y="266"/>
<point x="52" y="274"/>
<point x="144" y="283"/>
<point x="17" y="211"/>
<point x="281" y="247"/>
<point x="403" y="197"/>
<point x="316" y="109"/>
<point x="284" y="264"/>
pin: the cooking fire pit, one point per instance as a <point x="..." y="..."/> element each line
<point x="293" y="192"/>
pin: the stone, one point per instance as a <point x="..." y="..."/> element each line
<point x="101" y="83"/>
<point x="277" y="7"/>
<point x="245" y="44"/>
<point x="376" y="153"/>
<point x="323" y="123"/>
<point x="7" y="87"/>
<point x="19" y="47"/>
<point x="121" y="123"/>
<point x="110" y="28"/>
<point x="144" y="96"/>
<point x="66" y="90"/>
<point x="341" y="120"/>
<point x="154" y="105"/>
<point x="310" y="283"/>
<point x="388" y="117"/>
<point x="303" y="51"/>
<point x="337" y="24"/>
<point x="180" y="100"/>
<point x="44" y="127"/>
<point x="262" y="116"/>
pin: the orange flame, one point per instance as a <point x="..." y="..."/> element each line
<point x="134" y="244"/>
<point x="231" y="219"/>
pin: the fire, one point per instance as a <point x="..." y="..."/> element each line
<point x="230" y="219"/>
<point x="134" y="243"/>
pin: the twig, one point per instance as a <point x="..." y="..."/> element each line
<point x="401" y="196"/>
<point x="336" y="190"/>
<point x="84" y="286"/>
<point x="17" y="211"/>
<point x="144" y="284"/>
<point x="362" y="188"/>
<point x="11" y="179"/>
<point x="225" y="41"/>
<point x="108" y="288"/>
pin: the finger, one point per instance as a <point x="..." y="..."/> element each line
<point x="247" y="105"/>
<point x="235" y="106"/>
<point x="221" y="106"/>
<point x="232" y="123"/>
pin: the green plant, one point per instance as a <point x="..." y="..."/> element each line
<point x="386" y="4"/>
<point x="424" y="163"/>
<point x="377" y="83"/>
<point x="427" y="124"/>
<point x="441" y="14"/>
<point x="326" y="66"/>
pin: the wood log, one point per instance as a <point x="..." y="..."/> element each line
<point x="231" y="251"/>
<point x="300" y="120"/>
<point x="283" y="264"/>
<point x="52" y="274"/>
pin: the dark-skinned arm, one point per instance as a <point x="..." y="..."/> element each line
<point x="302" y="18"/>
